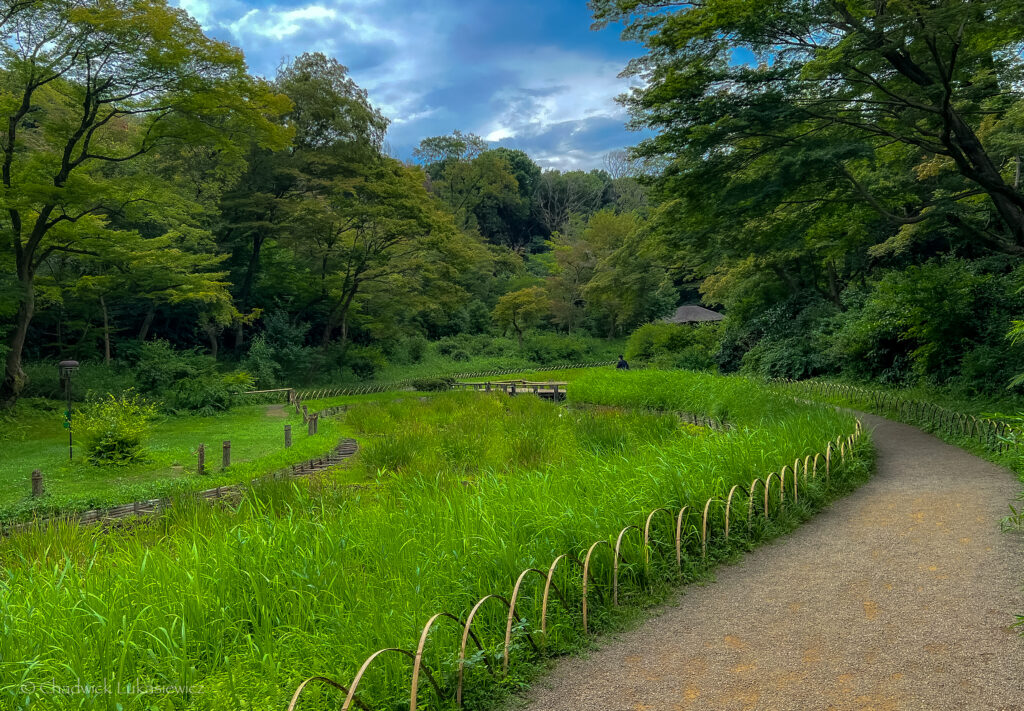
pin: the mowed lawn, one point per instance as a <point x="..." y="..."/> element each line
<point x="256" y="432"/>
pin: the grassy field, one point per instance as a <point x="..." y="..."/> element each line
<point x="35" y="440"/>
<point x="459" y="495"/>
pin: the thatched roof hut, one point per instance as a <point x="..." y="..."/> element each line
<point x="693" y="314"/>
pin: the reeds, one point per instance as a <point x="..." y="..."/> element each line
<point x="300" y="580"/>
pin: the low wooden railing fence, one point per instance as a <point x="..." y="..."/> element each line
<point x="345" y="449"/>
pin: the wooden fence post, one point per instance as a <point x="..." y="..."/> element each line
<point x="287" y="436"/>
<point x="310" y="426"/>
<point x="316" y="423"/>
<point x="201" y="459"/>
<point x="225" y="460"/>
<point x="37" y="484"/>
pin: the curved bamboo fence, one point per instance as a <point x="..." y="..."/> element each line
<point x="716" y="517"/>
<point x="992" y="433"/>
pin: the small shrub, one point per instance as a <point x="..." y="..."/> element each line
<point x="261" y="363"/>
<point x="161" y="366"/>
<point x="431" y="385"/>
<point x="114" y="429"/>
<point x="548" y="348"/>
<point x="673" y="345"/>
<point x="365" y="361"/>
<point x="416" y="348"/>
<point x="208" y="393"/>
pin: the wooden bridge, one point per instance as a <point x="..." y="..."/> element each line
<point x="549" y="390"/>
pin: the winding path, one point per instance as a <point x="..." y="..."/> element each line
<point x="899" y="596"/>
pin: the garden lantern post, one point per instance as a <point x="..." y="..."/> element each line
<point x="68" y="368"/>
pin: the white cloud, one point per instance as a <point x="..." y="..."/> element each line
<point x="278" y="24"/>
<point x="555" y="86"/>
<point x="424" y="69"/>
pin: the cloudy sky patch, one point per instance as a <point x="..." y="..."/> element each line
<point x="528" y="74"/>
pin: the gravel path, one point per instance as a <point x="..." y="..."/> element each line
<point x="899" y="596"/>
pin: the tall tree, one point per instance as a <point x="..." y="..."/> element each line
<point x="521" y="309"/>
<point x="463" y="173"/>
<point x="88" y="88"/>
<point x="561" y="196"/>
<point x="849" y="82"/>
<point x="371" y="230"/>
<point x="336" y="130"/>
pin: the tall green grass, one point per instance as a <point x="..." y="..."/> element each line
<point x="310" y="578"/>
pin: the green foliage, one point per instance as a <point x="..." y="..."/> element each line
<point x="265" y="369"/>
<point x="939" y="321"/>
<point x="115" y="428"/>
<point x="365" y="361"/>
<point x="551" y="348"/>
<point x="428" y="385"/>
<point x="208" y="392"/>
<point x="670" y="345"/>
<point x="521" y="309"/>
<point x="91" y="378"/>
<point x="187" y="381"/>
<point x="279" y="352"/>
<point x="115" y="91"/>
<point x="788" y="339"/>
<point x="542" y="480"/>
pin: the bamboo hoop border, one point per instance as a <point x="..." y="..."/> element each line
<point x="845" y="444"/>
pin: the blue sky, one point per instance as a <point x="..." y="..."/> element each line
<point x="526" y="74"/>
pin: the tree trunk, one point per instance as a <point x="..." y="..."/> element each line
<point x="212" y="335"/>
<point x="106" y="331"/>
<point x="983" y="171"/>
<point x="339" y="317"/>
<point x="246" y="290"/>
<point x="147" y="322"/>
<point x="15" y="378"/>
<point x="833" y="286"/>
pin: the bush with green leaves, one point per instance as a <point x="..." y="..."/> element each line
<point x="278" y="356"/>
<point x="942" y="322"/>
<point x="187" y="381"/>
<point x="113" y="429"/>
<point x="674" y="345"/>
<point x="262" y="363"/>
<point x="365" y="361"/>
<point x="429" y="385"/>
<point x="549" y="348"/>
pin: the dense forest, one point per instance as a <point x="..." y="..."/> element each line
<point x="842" y="180"/>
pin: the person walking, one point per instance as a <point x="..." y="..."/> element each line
<point x="622" y="364"/>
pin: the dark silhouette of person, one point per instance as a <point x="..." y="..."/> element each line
<point x="622" y="364"/>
